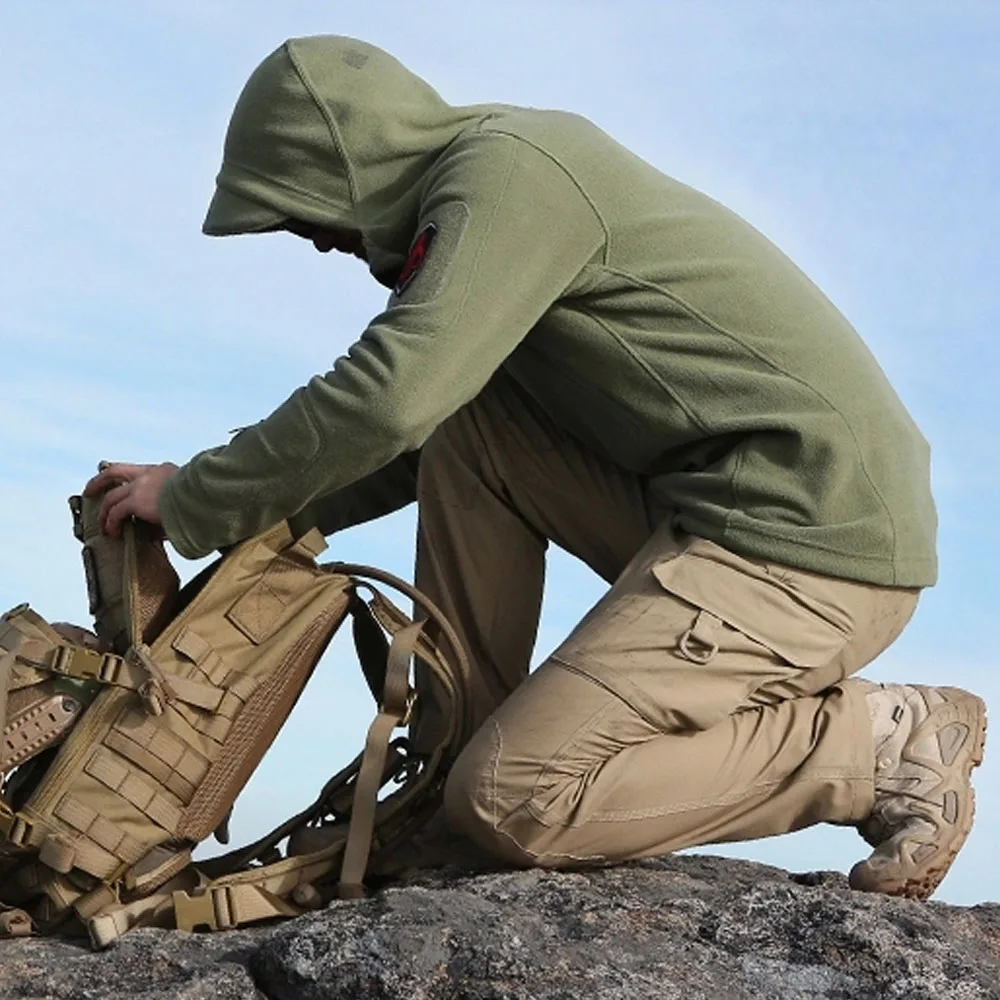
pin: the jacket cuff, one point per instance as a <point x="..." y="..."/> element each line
<point x="172" y="520"/>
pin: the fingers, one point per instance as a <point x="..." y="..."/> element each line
<point x="118" y="505"/>
<point x="97" y="484"/>
<point x="112" y="474"/>
<point x="129" y="490"/>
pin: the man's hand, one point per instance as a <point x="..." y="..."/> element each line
<point x="133" y="491"/>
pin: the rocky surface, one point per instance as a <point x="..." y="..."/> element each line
<point x="697" y="928"/>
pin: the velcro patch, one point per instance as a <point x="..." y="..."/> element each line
<point x="415" y="261"/>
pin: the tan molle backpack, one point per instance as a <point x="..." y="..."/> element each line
<point x="121" y="751"/>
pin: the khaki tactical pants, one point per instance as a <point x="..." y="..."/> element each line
<point x="702" y="699"/>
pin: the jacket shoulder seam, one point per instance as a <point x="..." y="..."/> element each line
<point x="514" y="137"/>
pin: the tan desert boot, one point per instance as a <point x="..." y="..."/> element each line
<point x="927" y="741"/>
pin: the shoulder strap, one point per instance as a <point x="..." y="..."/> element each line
<point x="394" y="619"/>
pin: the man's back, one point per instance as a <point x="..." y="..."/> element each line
<point x="692" y="350"/>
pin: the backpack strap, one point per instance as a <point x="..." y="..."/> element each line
<point x="281" y="889"/>
<point x="457" y="661"/>
<point x="370" y="644"/>
<point x="135" y="671"/>
<point x="39" y="649"/>
<point x="397" y="704"/>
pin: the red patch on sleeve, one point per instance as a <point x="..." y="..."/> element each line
<point x="416" y="258"/>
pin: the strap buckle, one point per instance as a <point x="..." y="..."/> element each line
<point x="84" y="664"/>
<point x="210" y="909"/>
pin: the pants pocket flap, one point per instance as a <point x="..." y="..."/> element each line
<point x="745" y="597"/>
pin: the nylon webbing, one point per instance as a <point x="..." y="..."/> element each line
<point x="460" y="662"/>
<point x="134" y="674"/>
<point x="223" y="907"/>
<point x="106" y="928"/>
<point x="393" y="711"/>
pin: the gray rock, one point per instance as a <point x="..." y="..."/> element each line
<point x="697" y="928"/>
<point x="146" y="964"/>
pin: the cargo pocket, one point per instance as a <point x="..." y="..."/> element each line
<point x="804" y="632"/>
<point x="705" y="633"/>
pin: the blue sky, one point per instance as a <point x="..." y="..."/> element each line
<point x="859" y="135"/>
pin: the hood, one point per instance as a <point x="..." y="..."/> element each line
<point x="335" y="132"/>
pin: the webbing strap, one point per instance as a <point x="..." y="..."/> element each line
<point x="16" y="829"/>
<point x="394" y="711"/>
<point x="150" y="911"/>
<point x="458" y="661"/>
<point x="222" y="907"/>
<point x="132" y="672"/>
<point x="91" y="903"/>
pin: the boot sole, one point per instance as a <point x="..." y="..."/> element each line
<point x="921" y="881"/>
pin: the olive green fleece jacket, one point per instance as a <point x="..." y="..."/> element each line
<point x="650" y="322"/>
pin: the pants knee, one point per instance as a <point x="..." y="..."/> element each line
<point x="472" y="803"/>
<point x="492" y="797"/>
<point x="468" y="801"/>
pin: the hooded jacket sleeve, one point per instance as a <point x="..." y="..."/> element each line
<point x="388" y="489"/>
<point x="505" y="233"/>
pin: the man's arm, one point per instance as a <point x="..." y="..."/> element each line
<point x="511" y="233"/>
<point x="133" y="491"/>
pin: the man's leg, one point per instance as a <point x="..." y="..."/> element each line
<point x="693" y="704"/>
<point x="497" y="481"/>
<point x="701" y="700"/>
